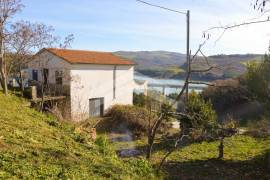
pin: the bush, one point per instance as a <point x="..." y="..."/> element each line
<point x="227" y="93"/>
<point x="104" y="146"/>
<point x="139" y="100"/>
<point x="140" y="166"/>
<point x="202" y="120"/>
<point x="136" y="118"/>
<point x="258" y="79"/>
<point x="259" y="128"/>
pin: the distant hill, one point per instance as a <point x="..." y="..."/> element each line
<point x="164" y="64"/>
<point x="154" y="59"/>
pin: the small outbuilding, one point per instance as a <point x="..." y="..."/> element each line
<point x="93" y="81"/>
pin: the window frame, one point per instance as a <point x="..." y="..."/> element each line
<point x="58" y="77"/>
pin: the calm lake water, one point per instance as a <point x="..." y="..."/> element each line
<point x="166" y="83"/>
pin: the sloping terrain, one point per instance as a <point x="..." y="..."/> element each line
<point x="154" y="59"/>
<point x="33" y="146"/>
<point x="164" y="64"/>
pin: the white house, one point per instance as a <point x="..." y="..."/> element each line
<point x="141" y="86"/>
<point x="94" y="81"/>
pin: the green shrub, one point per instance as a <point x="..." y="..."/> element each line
<point x="135" y="118"/>
<point x="33" y="146"/>
<point x="202" y="118"/>
<point x="140" y="166"/>
<point x="260" y="128"/>
<point x="139" y="100"/>
<point x="104" y="146"/>
<point x="227" y="93"/>
<point x="258" y="79"/>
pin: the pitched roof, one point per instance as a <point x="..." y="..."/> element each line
<point x="89" y="57"/>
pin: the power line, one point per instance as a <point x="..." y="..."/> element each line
<point x="188" y="37"/>
<point x="161" y="7"/>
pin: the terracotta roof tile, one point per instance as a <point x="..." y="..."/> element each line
<point x="89" y="57"/>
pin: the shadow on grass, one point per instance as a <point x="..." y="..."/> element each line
<point x="256" y="168"/>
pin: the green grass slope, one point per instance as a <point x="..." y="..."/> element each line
<point x="33" y="145"/>
<point x="245" y="157"/>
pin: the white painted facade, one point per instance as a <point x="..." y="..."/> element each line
<point x="54" y="63"/>
<point x="88" y="81"/>
<point x="96" y="81"/>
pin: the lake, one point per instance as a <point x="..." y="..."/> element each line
<point x="152" y="82"/>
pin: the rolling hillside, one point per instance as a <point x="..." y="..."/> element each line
<point x="34" y="146"/>
<point x="164" y="64"/>
<point x="154" y="59"/>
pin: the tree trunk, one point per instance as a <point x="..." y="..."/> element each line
<point x="150" y="146"/>
<point x="21" y="81"/>
<point x="3" y="71"/>
<point x="3" y="76"/>
<point x="42" y="98"/>
<point x="221" y="149"/>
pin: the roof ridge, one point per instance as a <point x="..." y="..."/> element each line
<point x="89" y="57"/>
<point x="62" y="49"/>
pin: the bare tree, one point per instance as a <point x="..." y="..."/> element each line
<point x="257" y="5"/>
<point x="223" y="131"/>
<point x="208" y="67"/>
<point x="25" y="38"/>
<point x="67" y="42"/>
<point x="166" y="110"/>
<point x="8" y="8"/>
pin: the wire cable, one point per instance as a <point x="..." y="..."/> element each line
<point x="161" y="7"/>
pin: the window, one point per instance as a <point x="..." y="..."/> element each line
<point x="59" y="77"/>
<point x="35" y="75"/>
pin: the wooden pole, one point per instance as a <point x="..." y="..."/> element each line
<point x="188" y="53"/>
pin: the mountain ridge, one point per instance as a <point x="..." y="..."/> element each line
<point x="166" y="64"/>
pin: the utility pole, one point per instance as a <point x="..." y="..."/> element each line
<point x="188" y="52"/>
<point x="187" y="14"/>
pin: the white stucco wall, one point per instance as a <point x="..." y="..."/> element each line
<point x="87" y="81"/>
<point x="141" y="87"/>
<point x="53" y="63"/>
<point x="96" y="81"/>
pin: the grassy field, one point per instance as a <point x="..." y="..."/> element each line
<point x="33" y="145"/>
<point x="245" y="157"/>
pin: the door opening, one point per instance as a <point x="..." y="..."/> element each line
<point x="96" y="107"/>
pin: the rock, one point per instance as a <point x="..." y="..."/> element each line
<point x="129" y="153"/>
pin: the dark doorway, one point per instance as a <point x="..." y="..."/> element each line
<point x="96" y="107"/>
<point x="35" y="75"/>
<point x="45" y="76"/>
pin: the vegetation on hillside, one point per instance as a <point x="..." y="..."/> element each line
<point x="258" y="79"/>
<point x="134" y="118"/>
<point x="227" y="93"/>
<point x="245" y="157"/>
<point x="33" y="145"/>
<point x="201" y="120"/>
<point x="174" y="64"/>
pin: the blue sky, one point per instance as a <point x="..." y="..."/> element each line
<point x="112" y="25"/>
